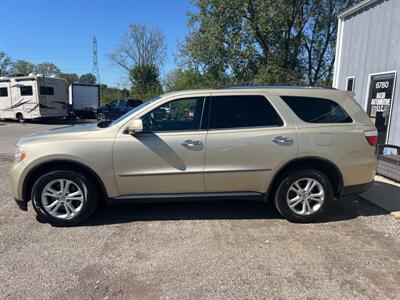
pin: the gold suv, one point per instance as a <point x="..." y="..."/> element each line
<point x="300" y="147"/>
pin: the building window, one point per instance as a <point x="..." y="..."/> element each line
<point x="242" y="111"/>
<point x="350" y="84"/>
<point x="46" y="90"/>
<point x="317" y="110"/>
<point x="26" y="90"/>
<point x="3" y="92"/>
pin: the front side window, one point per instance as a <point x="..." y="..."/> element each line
<point x="242" y="111"/>
<point x="26" y="90"/>
<point x="46" y="90"/>
<point x="317" y="110"/>
<point x="3" y="92"/>
<point x="182" y="114"/>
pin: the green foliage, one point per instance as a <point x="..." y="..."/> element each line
<point x="262" y="41"/>
<point x="179" y="79"/>
<point x="47" y="68"/>
<point x="5" y="64"/>
<point x="141" y="53"/>
<point x="145" y="82"/>
<point x="88" y="78"/>
<point x="69" y="77"/>
<point x="107" y="94"/>
<point x="22" y="67"/>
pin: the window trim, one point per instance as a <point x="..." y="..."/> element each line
<point x="347" y="83"/>
<point x="183" y="130"/>
<point x="245" y="127"/>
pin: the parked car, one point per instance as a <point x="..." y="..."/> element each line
<point x="116" y="108"/>
<point x="298" y="147"/>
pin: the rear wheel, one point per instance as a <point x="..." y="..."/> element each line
<point x="64" y="198"/>
<point x="304" y="196"/>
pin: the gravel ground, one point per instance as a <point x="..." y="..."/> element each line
<point x="218" y="250"/>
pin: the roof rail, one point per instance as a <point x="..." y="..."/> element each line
<point x="277" y="87"/>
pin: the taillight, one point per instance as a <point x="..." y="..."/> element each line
<point x="372" y="137"/>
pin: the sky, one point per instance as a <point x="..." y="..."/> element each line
<point x="61" y="31"/>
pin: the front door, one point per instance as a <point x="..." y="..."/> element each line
<point x="381" y="92"/>
<point x="168" y="157"/>
<point x="247" y="139"/>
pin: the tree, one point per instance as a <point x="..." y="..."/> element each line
<point x="88" y="78"/>
<point x="179" y="79"/>
<point x="47" y="69"/>
<point x="5" y="64"/>
<point x="69" y="77"/>
<point x="111" y="93"/>
<point x="141" y="52"/>
<point x="265" y="41"/>
<point x="145" y="82"/>
<point x="22" y="67"/>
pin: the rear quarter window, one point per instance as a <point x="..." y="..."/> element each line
<point x="317" y="110"/>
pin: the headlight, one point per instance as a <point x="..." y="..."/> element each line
<point x="19" y="154"/>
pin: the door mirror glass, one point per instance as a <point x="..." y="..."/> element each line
<point x="135" y="126"/>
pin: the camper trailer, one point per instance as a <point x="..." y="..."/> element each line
<point x="32" y="97"/>
<point x="84" y="100"/>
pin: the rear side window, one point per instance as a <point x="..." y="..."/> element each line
<point x="317" y="110"/>
<point x="46" y="90"/>
<point x="3" y="92"/>
<point x="242" y="111"/>
<point x="26" y="90"/>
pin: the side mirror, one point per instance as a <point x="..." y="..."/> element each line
<point x="135" y="126"/>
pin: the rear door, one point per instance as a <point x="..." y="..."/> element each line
<point x="247" y="139"/>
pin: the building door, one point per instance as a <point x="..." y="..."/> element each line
<point x="380" y="99"/>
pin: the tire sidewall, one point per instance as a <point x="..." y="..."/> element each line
<point x="281" y="194"/>
<point x="84" y="184"/>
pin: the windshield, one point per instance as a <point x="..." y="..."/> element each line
<point x="134" y="110"/>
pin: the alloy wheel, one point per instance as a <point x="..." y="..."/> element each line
<point x="305" y="196"/>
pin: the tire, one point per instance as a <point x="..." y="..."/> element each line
<point x="101" y="117"/>
<point x="68" y="211"/>
<point x="293" y="189"/>
<point x="20" y="118"/>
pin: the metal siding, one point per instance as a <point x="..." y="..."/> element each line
<point x="370" y="44"/>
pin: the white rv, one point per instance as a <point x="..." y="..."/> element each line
<point x="84" y="100"/>
<point x="32" y="97"/>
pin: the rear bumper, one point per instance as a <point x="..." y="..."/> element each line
<point x="356" y="189"/>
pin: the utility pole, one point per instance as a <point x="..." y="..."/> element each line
<point x="95" y="67"/>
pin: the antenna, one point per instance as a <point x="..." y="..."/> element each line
<point x="95" y="67"/>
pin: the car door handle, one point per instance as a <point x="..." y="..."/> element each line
<point x="190" y="143"/>
<point x="282" y="140"/>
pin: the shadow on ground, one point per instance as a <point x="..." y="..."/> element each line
<point x="344" y="209"/>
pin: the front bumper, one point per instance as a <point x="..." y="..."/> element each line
<point x="17" y="175"/>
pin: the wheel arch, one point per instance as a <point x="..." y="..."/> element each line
<point x="310" y="162"/>
<point x="61" y="164"/>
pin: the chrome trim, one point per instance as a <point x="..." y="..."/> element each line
<point x="193" y="172"/>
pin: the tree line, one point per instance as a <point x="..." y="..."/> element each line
<point x="257" y="42"/>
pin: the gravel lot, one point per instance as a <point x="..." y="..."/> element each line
<point x="218" y="250"/>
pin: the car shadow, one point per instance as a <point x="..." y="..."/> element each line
<point x="343" y="209"/>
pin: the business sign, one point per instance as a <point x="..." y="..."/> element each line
<point x="380" y="102"/>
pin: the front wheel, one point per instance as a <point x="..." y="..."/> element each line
<point x="64" y="197"/>
<point x="101" y="117"/>
<point x="304" y="196"/>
